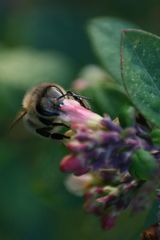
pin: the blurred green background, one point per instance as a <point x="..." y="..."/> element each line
<point x="46" y="41"/>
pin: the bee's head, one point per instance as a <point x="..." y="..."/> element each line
<point x="50" y="100"/>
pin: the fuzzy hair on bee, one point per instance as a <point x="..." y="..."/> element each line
<point x="41" y="109"/>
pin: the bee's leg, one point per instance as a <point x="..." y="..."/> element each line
<point x="58" y="136"/>
<point x="59" y="124"/>
<point x="45" y="132"/>
<point x="78" y="98"/>
<point x="50" y="123"/>
<point x="74" y="95"/>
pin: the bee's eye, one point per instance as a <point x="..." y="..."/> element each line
<point x="48" y="104"/>
<point x="53" y="93"/>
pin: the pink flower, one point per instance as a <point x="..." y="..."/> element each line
<point x="78" y="116"/>
<point x="80" y="84"/>
<point x="73" y="164"/>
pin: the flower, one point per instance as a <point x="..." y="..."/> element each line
<point x="77" y="115"/>
<point x="97" y="142"/>
<point x="102" y="158"/>
<point x="78" y="185"/>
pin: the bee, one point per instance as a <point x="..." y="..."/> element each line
<point x="41" y="109"/>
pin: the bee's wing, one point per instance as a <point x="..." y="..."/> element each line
<point x="19" y="116"/>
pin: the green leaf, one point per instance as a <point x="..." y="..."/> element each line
<point x="105" y="36"/>
<point x="140" y="62"/>
<point x="155" y="136"/>
<point x="143" y="165"/>
<point x="107" y="99"/>
<point x="105" y="96"/>
<point x="25" y="67"/>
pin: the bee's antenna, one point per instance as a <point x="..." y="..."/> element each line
<point x="19" y="116"/>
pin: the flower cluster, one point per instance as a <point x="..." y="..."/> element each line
<point x="101" y="153"/>
<point x="106" y="199"/>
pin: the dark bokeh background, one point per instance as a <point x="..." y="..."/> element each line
<point x="47" y="41"/>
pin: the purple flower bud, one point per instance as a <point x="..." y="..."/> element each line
<point x="108" y="220"/>
<point x="105" y="200"/>
<point x="90" y="205"/>
<point x="109" y="137"/>
<point x="77" y="147"/>
<point x="73" y="164"/>
<point x="110" y="125"/>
